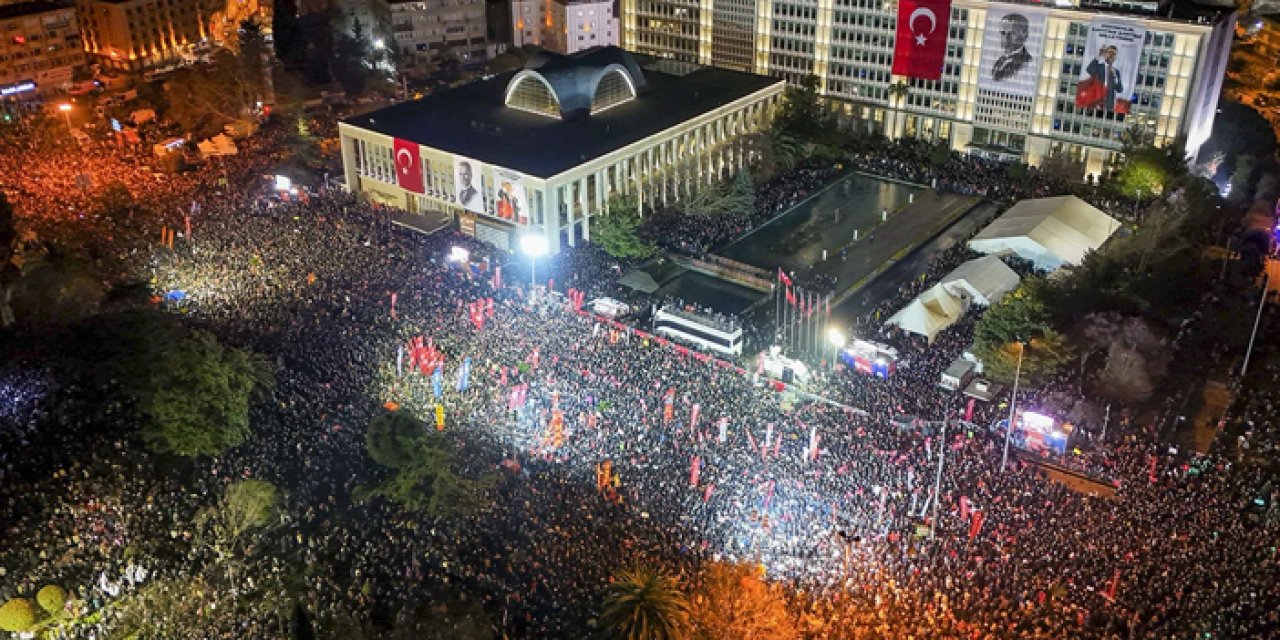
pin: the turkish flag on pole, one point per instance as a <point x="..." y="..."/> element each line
<point x="408" y="166"/>
<point x="921" y="43"/>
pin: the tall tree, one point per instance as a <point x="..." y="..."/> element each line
<point x="196" y="396"/>
<point x="353" y="63"/>
<point x="246" y="506"/>
<point x="618" y="232"/>
<point x="1020" y="326"/>
<point x="284" y="30"/>
<point x="642" y="603"/>
<point x="801" y="113"/>
<point x="421" y="467"/>
<point x="732" y="601"/>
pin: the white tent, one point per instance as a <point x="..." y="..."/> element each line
<point x="981" y="281"/>
<point x="1050" y="232"/>
<point x="929" y="313"/>
<point x="219" y="145"/>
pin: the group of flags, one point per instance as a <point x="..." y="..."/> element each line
<point x="479" y="311"/>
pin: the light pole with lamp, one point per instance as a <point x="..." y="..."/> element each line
<point x="1013" y="405"/>
<point x="837" y="339"/>
<point x="65" y="108"/>
<point x="534" y="246"/>
<point x="1262" y="302"/>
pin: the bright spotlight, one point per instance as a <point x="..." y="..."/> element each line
<point x="459" y="254"/>
<point x="283" y="183"/>
<point x="836" y="337"/>
<point x="533" y="246"/>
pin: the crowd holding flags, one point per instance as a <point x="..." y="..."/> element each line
<point x="801" y="317"/>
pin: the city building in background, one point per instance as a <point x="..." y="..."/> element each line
<point x="440" y="28"/>
<point x="40" y="50"/>
<point x="1005" y="81"/>
<point x="564" y="26"/>
<point x="541" y="150"/>
<point x="141" y="35"/>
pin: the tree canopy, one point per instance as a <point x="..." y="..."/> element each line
<point x="421" y="465"/>
<point x="1020" y="325"/>
<point x="618" y="231"/>
<point x="643" y="603"/>
<point x="734" y="601"/>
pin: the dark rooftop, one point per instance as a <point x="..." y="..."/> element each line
<point x="27" y="8"/>
<point x="472" y="120"/>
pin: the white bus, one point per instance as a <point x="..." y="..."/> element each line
<point x="700" y="330"/>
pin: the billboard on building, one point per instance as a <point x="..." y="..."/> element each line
<point x="1112" y="52"/>
<point x="466" y="184"/>
<point x="510" y="201"/>
<point x="1012" y="46"/>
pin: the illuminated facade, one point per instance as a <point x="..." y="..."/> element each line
<point x="432" y="28"/>
<point x="39" y="49"/>
<point x="849" y="45"/>
<point x="564" y="27"/>
<point x="138" y="35"/>
<point x="541" y="150"/>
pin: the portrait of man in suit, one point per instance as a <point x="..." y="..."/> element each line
<point x="1104" y="72"/>
<point x="1014" y="31"/>
<point x="468" y="194"/>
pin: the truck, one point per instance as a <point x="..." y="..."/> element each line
<point x="957" y="375"/>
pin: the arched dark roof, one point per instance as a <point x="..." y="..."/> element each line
<point x="573" y="79"/>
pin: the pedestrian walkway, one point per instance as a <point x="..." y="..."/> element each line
<point x="1217" y="397"/>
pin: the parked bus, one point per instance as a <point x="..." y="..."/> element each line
<point x="697" y="329"/>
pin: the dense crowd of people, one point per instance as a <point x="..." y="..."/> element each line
<point x="834" y="500"/>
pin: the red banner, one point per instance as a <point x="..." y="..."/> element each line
<point x="408" y="166"/>
<point x="921" y="43"/>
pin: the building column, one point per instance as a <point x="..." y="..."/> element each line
<point x="349" y="167"/>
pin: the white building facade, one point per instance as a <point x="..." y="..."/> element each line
<point x="848" y="45"/>
<point x="660" y="166"/>
<point x="564" y="27"/>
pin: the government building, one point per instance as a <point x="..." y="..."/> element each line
<point x="541" y="150"/>
<point x="978" y="104"/>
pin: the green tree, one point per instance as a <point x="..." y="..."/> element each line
<point x="617" y="233"/>
<point x="1020" y="323"/>
<point x="203" y="99"/>
<point x="734" y="601"/>
<point x="421" y="474"/>
<point x="52" y="599"/>
<point x="719" y="199"/>
<point x="1242" y="179"/>
<point x="779" y="151"/>
<point x="642" y="603"/>
<point x="353" y="64"/>
<point x="196" y="398"/>
<point x="801" y="112"/>
<point x="284" y="30"/>
<point x="56" y="286"/>
<point x="17" y="615"/>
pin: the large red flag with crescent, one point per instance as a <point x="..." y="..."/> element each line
<point x="921" y="44"/>
<point x="408" y="166"/>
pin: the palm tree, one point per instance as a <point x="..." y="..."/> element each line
<point x="645" y="604"/>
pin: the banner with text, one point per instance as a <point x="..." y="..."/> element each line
<point x="1113" y="52"/>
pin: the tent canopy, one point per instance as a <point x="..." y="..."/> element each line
<point x="1050" y="232"/>
<point x="929" y="313"/>
<point x="639" y="280"/>
<point x="983" y="281"/>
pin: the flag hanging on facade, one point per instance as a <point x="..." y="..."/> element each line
<point x="408" y="166"/>
<point x="783" y="278"/>
<point x="921" y="44"/>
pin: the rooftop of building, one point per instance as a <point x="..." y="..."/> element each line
<point x="20" y="9"/>
<point x="475" y="121"/>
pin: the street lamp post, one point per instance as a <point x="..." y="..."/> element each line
<point x="837" y="339"/>
<point x="1262" y="302"/>
<point x="1013" y="405"/>
<point x="65" y="108"/>
<point x="534" y="246"/>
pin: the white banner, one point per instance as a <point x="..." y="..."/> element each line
<point x="466" y="184"/>
<point x="510" y="201"/>
<point x="1110" y="72"/>
<point x="1012" y="46"/>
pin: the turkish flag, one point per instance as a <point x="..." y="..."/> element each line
<point x="408" y="166"/>
<point x="921" y="43"/>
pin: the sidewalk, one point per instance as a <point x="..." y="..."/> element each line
<point x="1217" y="398"/>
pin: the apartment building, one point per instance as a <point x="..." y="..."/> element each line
<point x="139" y="35"/>
<point x="564" y="26"/>
<point x="40" y="49"/>
<point x="431" y="28"/>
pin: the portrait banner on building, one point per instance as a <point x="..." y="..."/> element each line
<point x="408" y="166"/>
<point x="1112" y="54"/>
<point x="510" y="201"/>
<point x="1012" y="45"/>
<point x="466" y="184"/>
<point x="920" y="47"/>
